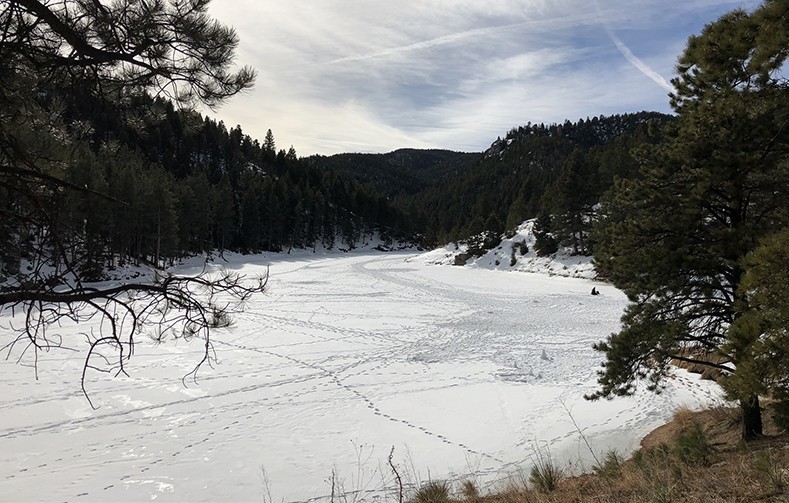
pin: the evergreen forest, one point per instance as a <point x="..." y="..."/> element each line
<point x="556" y="171"/>
<point x="164" y="183"/>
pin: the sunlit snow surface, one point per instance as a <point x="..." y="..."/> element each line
<point x="464" y="371"/>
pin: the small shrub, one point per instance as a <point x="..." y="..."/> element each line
<point x="684" y="417"/>
<point x="461" y="259"/>
<point x="781" y="415"/>
<point x="692" y="447"/>
<point x="660" y="476"/>
<point x="545" y="475"/>
<point x="610" y="466"/>
<point x="647" y="459"/>
<point x="470" y="491"/>
<point x="432" y="492"/>
<point x="521" y="247"/>
<point x="770" y="470"/>
<point x="661" y="487"/>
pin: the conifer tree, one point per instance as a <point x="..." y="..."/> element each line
<point x="194" y="213"/>
<point x="160" y="219"/>
<point x="223" y="213"/>
<point x="518" y="212"/>
<point x="251" y="228"/>
<point x="573" y="198"/>
<point x="675" y="238"/>
<point x="269" y="146"/>
<point x="125" y="186"/>
<point x="762" y="329"/>
<point x="544" y="242"/>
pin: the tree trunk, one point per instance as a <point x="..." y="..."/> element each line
<point x="751" y="417"/>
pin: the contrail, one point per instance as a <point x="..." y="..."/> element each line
<point x="446" y="39"/>
<point x="642" y="67"/>
<point x="632" y="58"/>
<point x="543" y="26"/>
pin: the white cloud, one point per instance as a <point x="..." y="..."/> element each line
<point x="361" y="75"/>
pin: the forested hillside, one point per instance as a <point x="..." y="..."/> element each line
<point x="556" y="171"/>
<point x="559" y="170"/>
<point x="163" y="183"/>
<point x="404" y="171"/>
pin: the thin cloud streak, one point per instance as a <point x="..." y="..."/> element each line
<point x="427" y="44"/>
<point x="632" y="58"/>
<point x="453" y="38"/>
<point x="640" y="65"/>
<point x="355" y="75"/>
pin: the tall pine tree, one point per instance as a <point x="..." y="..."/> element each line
<point x="674" y="239"/>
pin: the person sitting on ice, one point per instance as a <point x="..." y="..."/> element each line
<point x="594" y="291"/>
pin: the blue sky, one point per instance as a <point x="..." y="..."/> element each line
<point x="374" y="75"/>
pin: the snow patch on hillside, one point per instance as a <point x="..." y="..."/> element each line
<point x="508" y="256"/>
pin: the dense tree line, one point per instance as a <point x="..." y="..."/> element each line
<point x="557" y="172"/>
<point x="163" y="183"/>
<point x="166" y="182"/>
<point x="402" y="172"/>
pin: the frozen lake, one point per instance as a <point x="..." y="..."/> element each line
<point x="462" y="370"/>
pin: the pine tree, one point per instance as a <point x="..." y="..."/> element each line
<point x="760" y="333"/>
<point x="160" y="220"/>
<point x="518" y="211"/>
<point x="574" y="195"/>
<point x="194" y="213"/>
<point x="86" y="213"/>
<point x="251" y="226"/>
<point x="269" y="146"/>
<point x="675" y="239"/>
<point x="125" y="187"/>
<point x="544" y="242"/>
<point x="223" y="214"/>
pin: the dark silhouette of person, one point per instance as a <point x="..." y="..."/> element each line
<point x="594" y="291"/>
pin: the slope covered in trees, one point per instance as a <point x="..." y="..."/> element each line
<point x="56" y="209"/>
<point x="166" y="182"/>
<point x="404" y="171"/>
<point x="557" y="172"/>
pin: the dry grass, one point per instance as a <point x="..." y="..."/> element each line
<point x="432" y="492"/>
<point x="697" y="457"/>
<point x="706" y="372"/>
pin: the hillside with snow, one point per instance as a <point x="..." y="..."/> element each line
<point x="516" y="253"/>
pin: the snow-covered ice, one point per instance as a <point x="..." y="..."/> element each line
<point x="463" y="370"/>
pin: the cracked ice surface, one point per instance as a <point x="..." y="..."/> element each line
<point x="462" y="370"/>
